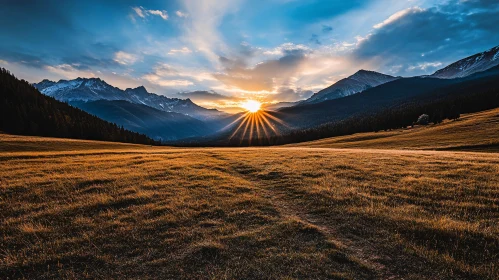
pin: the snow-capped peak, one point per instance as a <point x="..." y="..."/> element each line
<point x="360" y="81"/>
<point x="470" y="65"/>
<point x="93" y="89"/>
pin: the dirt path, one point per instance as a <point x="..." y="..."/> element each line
<point x="386" y="261"/>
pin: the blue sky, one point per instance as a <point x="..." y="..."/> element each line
<point x="220" y="53"/>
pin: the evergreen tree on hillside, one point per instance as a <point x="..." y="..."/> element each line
<point x="25" y="111"/>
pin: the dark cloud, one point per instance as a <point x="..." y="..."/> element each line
<point x="441" y="34"/>
<point x="246" y="50"/>
<point x="26" y="59"/>
<point x="315" y="39"/>
<point x="87" y="62"/>
<point x="52" y="32"/>
<point x="326" y="28"/>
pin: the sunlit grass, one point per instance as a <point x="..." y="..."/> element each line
<point x="127" y="211"/>
<point x="472" y="132"/>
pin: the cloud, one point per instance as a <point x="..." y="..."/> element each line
<point x="398" y="15"/>
<point x="166" y="75"/>
<point x="85" y="62"/>
<point x="144" y="13"/>
<point x="202" y="30"/>
<point x="23" y="58"/>
<point x="413" y="37"/>
<point x="289" y="95"/>
<point x="315" y="39"/>
<point x="162" y="14"/>
<point x="206" y="96"/>
<point x="425" y="66"/>
<point x="183" y="50"/>
<point x="169" y="72"/>
<point x="181" y="14"/>
<point x="280" y="50"/>
<point x="265" y="76"/>
<point x="125" y="58"/>
<point x="139" y="11"/>
<point x="69" y="72"/>
<point x="326" y="28"/>
<point x="158" y="80"/>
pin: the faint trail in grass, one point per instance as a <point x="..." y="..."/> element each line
<point x="376" y="257"/>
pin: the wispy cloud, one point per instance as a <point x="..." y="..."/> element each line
<point x="125" y="58"/>
<point x="139" y="11"/>
<point x="183" y="50"/>
<point x="158" y="80"/>
<point x="181" y="14"/>
<point x="144" y="13"/>
<point x="202" y="31"/>
<point x="425" y="66"/>
<point x="398" y="15"/>
<point x="69" y="72"/>
<point x="162" y="14"/>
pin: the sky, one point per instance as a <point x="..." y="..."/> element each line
<point x="220" y="53"/>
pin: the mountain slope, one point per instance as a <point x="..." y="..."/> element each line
<point x="470" y="65"/>
<point x="82" y="89"/>
<point x="140" y="95"/>
<point x="449" y="135"/>
<point x="24" y="110"/>
<point x="157" y="124"/>
<point x="358" y="82"/>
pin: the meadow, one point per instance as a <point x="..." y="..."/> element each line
<point x="81" y="209"/>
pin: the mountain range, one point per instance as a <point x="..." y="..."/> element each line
<point x="157" y="124"/>
<point x="170" y="119"/>
<point x="93" y="89"/>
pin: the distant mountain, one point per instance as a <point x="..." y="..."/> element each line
<point x="358" y="82"/>
<point x="392" y="105"/>
<point x="470" y="65"/>
<point x="93" y="89"/>
<point x="24" y="110"/>
<point x="157" y="124"/>
<point x="382" y="96"/>
<point x="140" y="95"/>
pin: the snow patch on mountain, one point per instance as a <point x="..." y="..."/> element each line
<point x="87" y="90"/>
<point x="356" y="83"/>
<point x="470" y="65"/>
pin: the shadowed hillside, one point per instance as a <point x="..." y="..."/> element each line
<point x="477" y="131"/>
<point x="24" y="110"/>
<point x="157" y="124"/>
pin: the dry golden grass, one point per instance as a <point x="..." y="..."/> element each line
<point x="254" y="213"/>
<point x="17" y="143"/>
<point x="472" y="132"/>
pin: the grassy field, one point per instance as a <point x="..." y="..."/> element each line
<point x="82" y="209"/>
<point x="472" y="132"/>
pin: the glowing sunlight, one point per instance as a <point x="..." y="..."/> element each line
<point x="252" y="106"/>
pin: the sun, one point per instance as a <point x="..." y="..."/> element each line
<point x="252" y="106"/>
